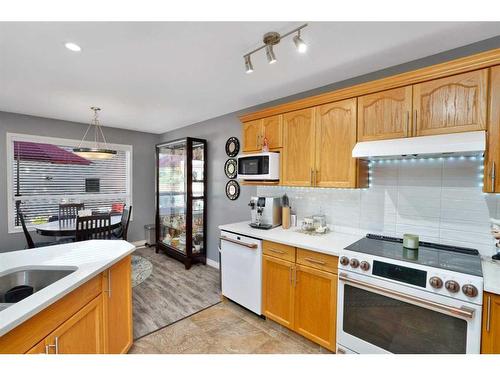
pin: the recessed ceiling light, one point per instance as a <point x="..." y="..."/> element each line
<point x="72" y="47"/>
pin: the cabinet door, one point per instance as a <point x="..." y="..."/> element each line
<point x="82" y="333"/>
<point x="335" y="138"/>
<point x="492" y="159"/>
<point x="385" y="115"/>
<point x="252" y="133"/>
<point x="451" y="105"/>
<point x="272" y="129"/>
<point x="277" y="290"/>
<point x="298" y="152"/>
<point x="490" y="340"/>
<point x="316" y="305"/>
<point x="38" y="348"/>
<point x="118" y="307"/>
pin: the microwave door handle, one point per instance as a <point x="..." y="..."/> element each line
<point x="448" y="310"/>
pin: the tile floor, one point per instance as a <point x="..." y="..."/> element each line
<point x="224" y="329"/>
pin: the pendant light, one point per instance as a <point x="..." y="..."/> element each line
<point x="99" y="150"/>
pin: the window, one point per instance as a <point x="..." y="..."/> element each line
<point x="44" y="172"/>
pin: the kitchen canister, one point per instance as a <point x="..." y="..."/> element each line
<point x="410" y="241"/>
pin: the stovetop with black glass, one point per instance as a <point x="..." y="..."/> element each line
<point x="453" y="258"/>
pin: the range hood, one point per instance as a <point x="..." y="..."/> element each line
<point x="468" y="143"/>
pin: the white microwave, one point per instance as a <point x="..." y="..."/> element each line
<point x="264" y="166"/>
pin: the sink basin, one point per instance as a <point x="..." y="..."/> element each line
<point x="33" y="278"/>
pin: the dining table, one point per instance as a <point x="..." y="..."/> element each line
<point x="67" y="227"/>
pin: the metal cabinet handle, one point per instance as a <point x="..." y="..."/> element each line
<point x="407" y="127"/>
<point x="249" y="245"/>
<point x="340" y="351"/>
<point x="311" y="176"/>
<point x="55" y="346"/>
<point x="488" y="315"/>
<point x="295" y="281"/>
<point x="277" y="251"/>
<point x="109" y="283"/>
<point x="415" y="116"/>
<point x="463" y="311"/>
<point x="291" y="275"/>
<point x="493" y="176"/>
<point x="312" y="260"/>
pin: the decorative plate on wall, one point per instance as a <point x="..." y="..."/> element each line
<point x="231" y="168"/>
<point x="232" y="147"/>
<point x="232" y="190"/>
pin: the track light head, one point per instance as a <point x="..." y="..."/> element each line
<point x="248" y="64"/>
<point x="299" y="43"/>
<point x="271" y="58"/>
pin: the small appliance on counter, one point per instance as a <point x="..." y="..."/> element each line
<point x="265" y="212"/>
<point x="495" y="231"/>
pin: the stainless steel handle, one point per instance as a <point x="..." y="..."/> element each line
<point x="415" y="115"/>
<point x="312" y="260"/>
<point x="488" y="314"/>
<point x="277" y="251"/>
<point x="291" y="275"/>
<point x="311" y="176"/>
<point x="249" y="245"/>
<point x="463" y="311"/>
<point x="493" y="176"/>
<point x="55" y="346"/>
<point x="407" y="127"/>
<point x="340" y="351"/>
<point x="109" y="283"/>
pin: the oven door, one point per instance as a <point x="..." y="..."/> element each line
<point x="378" y="316"/>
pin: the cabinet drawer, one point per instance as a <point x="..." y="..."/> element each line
<point x="280" y="251"/>
<point x="320" y="261"/>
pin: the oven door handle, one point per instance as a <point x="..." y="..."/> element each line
<point x="463" y="311"/>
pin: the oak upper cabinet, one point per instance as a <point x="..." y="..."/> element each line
<point x="298" y="147"/>
<point x="252" y="132"/>
<point x="335" y="139"/>
<point x="118" y="306"/>
<point x="83" y="333"/>
<point x="277" y="290"/>
<point x="316" y="305"/>
<point x="452" y="104"/>
<point x="272" y="129"/>
<point x="492" y="158"/>
<point x="490" y="339"/>
<point x="385" y="114"/>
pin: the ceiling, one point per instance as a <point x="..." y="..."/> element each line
<point x="156" y="77"/>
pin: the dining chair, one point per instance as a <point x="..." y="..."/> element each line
<point x="69" y="211"/>
<point x="95" y="227"/>
<point x="29" y="240"/>
<point x="121" y="232"/>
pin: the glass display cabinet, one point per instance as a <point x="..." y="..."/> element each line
<point x="181" y="200"/>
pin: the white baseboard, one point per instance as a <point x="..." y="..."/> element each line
<point x="138" y="243"/>
<point x="212" y="263"/>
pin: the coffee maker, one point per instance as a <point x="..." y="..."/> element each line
<point x="265" y="212"/>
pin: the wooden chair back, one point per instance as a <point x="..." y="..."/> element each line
<point x="29" y="240"/>
<point x="69" y="211"/>
<point x="95" y="227"/>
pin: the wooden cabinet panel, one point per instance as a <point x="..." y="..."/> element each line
<point x="492" y="157"/>
<point x="38" y="348"/>
<point x="452" y="104"/>
<point x="279" y="250"/>
<point x="298" y="152"/>
<point x="335" y="139"/>
<point x="385" y="114"/>
<point x="314" y="259"/>
<point x="252" y="133"/>
<point x="277" y="290"/>
<point x="82" y="333"/>
<point x="272" y="129"/>
<point x="490" y="340"/>
<point x="316" y="305"/>
<point x="118" y="307"/>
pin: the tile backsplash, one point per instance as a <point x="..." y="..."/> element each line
<point x="439" y="199"/>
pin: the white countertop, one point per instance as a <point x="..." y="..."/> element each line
<point x="491" y="275"/>
<point x="331" y="243"/>
<point x="88" y="257"/>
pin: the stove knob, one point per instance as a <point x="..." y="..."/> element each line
<point x="469" y="290"/>
<point x="344" y="261"/>
<point x="436" y="282"/>
<point x="365" y="266"/>
<point x="354" y="263"/>
<point x="452" y="286"/>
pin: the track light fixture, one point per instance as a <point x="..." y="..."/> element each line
<point x="271" y="39"/>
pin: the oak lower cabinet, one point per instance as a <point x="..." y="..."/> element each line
<point x="450" y="105"/>
<point x="490" y="339"/>
<point x="300" y="297"/>
<point x="492" y="157"/>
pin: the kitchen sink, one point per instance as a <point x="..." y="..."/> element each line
<point x="16" y="285"/>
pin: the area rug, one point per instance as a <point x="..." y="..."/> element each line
<point x="141" y="270"/>
<point x="171" y="293"/>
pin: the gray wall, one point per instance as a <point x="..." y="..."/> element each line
<point x="143" y="169"/>
<point x="220" y="209"/>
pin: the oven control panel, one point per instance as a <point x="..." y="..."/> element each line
<point x="444" y="282"/>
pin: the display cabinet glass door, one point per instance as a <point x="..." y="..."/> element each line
<point x="172" y="199"/>
<point x="198" y="196"/>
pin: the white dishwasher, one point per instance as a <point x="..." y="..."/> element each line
<point x="241" y="270"/>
